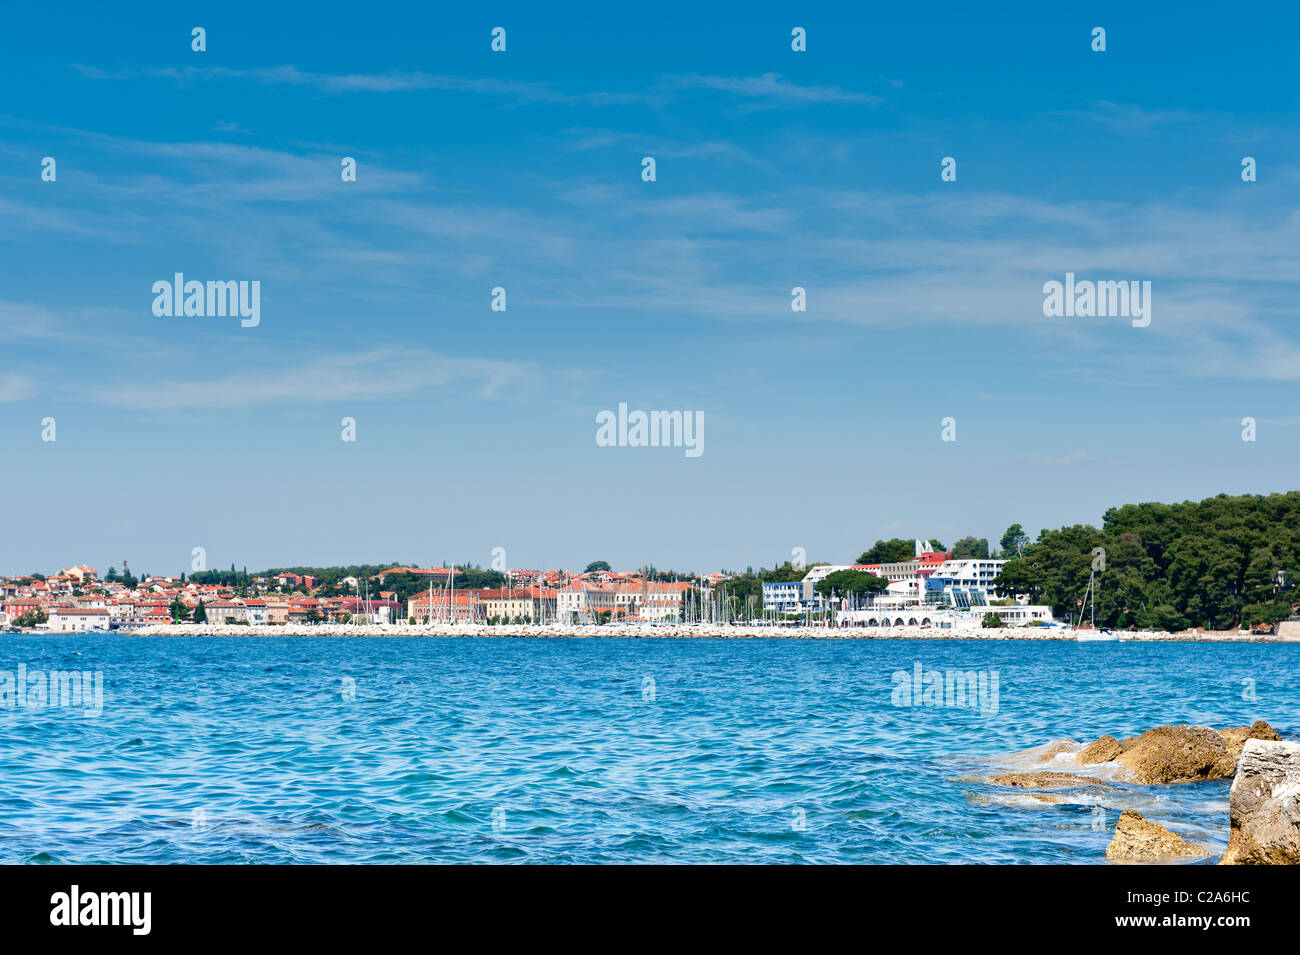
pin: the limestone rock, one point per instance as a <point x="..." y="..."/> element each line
<point x="1175" y="754"/>
<point x="1044" y="780"/>
<point x="1101" y="750"/>
<point x="1264" y="805"/>
<point x="1236" y="736"/>
<point x="1138" y="839"/>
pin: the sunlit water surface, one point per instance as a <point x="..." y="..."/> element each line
<point x="249" y="750"/>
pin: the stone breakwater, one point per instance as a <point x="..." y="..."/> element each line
<point x="683" y="631"/>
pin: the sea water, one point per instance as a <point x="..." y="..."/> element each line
<point x="377" y="750"/>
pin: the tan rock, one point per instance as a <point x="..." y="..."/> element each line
<point x="1264" y="805"/>
<point x="1052" y="750"/>
<point x="1175" y="754"/>
<point x="1101" y="750"/>
<point x="1236" y="736"/>
<point x="1044" y="780"/>
<point x="1138" y="839"/>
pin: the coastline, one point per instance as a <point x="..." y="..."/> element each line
<point x="685" y="631"/>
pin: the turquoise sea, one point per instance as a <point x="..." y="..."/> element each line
<point x="350" y="750"/>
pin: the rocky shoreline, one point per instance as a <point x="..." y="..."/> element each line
<point x="1264" y="802"/>
<point x="686" y="631"/>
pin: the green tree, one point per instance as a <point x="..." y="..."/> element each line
<point x="200" y="614"/>
<point x="1013" y="540"/>
<point x="786" y="573"/>
<point x="846" y="583"/>
<point x="597" y="565"/>
<point x="1217" y="563"/>
<point x="971" y="548"/>
<point x="894" y="551"/>
<point x="180" y="613"/>
<point x="888" y="552"/>
<point x="31" y="618"/>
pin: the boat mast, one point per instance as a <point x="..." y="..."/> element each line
<point x="1088" y="594"/>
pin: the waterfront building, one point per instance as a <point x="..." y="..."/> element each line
<point x="255" y="611"/>
<point x="225" y="611"/>
<point x="303" y="609"/>
<point x="815" y="574"/>
<point x="963" y="583"/>
<point x="784" y="597"/>
<point x="77" y="620"/>
<point x="441" y="606"/>
<point x="16" y="608"/>
<point x="519" y="603"/>
<point x="924" y="615"/>
<point x="652" y="601"/>
<point x="575" y="602"/>
<point x="899" y="570"/>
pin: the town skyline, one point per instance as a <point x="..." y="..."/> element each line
<point x="79" y="599"/>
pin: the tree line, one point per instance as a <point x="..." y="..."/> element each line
<point x="1218" y="563"/>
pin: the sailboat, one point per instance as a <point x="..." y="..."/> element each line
<point x="1090" y="633"/>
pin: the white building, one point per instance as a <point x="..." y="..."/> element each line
<point x="963" y="583"/>
<point x="900" y="570"/>
<point x="784" y="597"/>
<point x="921" y="615"/>
<point x="1020" y="614"/>
<point x="815" y="575"/>
<point x="653" y="601"/>
<point x="76" y="619"/>
<point x="576" y="600"/>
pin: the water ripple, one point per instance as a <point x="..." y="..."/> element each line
<point x="241" y="751"/>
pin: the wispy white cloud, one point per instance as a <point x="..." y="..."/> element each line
<point x="1224" y="272"/>
<point x="715" y="149"/>
<point x="375" y="374"/>
<point x="393" y="82"/>
<point x="15" y="387"/>
<point x="769" y="87"/>
<point x="1130" y="118"/>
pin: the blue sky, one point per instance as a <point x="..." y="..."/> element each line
<point x="476" y="429"/>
